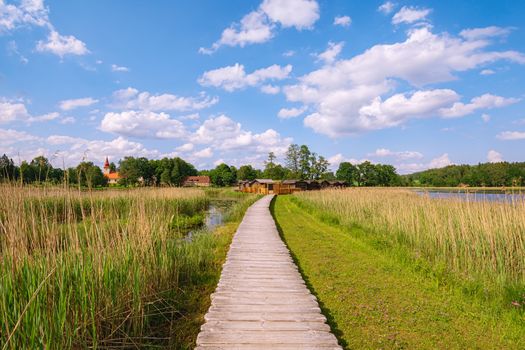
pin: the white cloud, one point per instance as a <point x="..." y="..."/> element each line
<point x="234" y="77"/>
<point x="28" y="12"/>
<point x="410" y="15"/>
<point x="511" y="135"/>
<point x="485" y="117"/>
<point x="68" y="120"/>
<point x="44" y="117"/>
<point x="343" y="21"/>
<point x="10" y="137"/>
<point x="131" y="98"/>
<point x="286" y="113"/>
<point x="253" y="28"/>
<point x="143" y="124"/>
<point x="403" y="155"/>
<point x="494" y="157"/>
<point x="338" y="158"/>
<point x="440" y="162"/>
<point x="12" y="49"/>
<point x="12" y="111"/>
<point x="204" y="153"/>
<point x="115" y="68"/>
<point x="289" y="53"/>
<point x="486" y="101"/>
<point x="483" y="33"/>
<point x="354" y="95"/>
<point x="62" y="45"/>
<point x="487" y="72"/>
<point x="67" y="105"/>
<point x="222" y="133"/>
<point x="187" y="147"/>
<point x="259" y="26"/>
<point x="387" y="7"/>
<point x="301" y="14"/>
<point x="270" y="89"/>
<point x="331" y="52"/>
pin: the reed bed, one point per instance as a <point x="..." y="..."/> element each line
<point x="482" y="242"/>
<point x="101" y="269"/>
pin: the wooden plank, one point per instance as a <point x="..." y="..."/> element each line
<point x="261" y="301"/>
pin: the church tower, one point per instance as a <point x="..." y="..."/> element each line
<point x="106" y="166"/>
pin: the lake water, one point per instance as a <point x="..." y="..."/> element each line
<point x="491" y="196"/>
<point x="214" y="217"/>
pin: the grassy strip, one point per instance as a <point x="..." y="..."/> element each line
<point x="374" y="300"/>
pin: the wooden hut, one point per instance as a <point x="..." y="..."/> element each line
<point x="312" y="185"/>
<point x="296" y="185"/>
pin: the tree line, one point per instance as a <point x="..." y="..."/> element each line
<point x="481" y="175"/>
<point x="299" y="163"/>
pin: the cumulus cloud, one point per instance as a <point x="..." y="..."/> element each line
<point x="402" y="155"/>
<point x="10" y="136"/>
<point x="343" y="21"/>
<point x="27" y="13"/>
<point x="494" y="157"/>
<point x="286" y="113"/>
<point x="259" y="26"/>
<point x="131" y="98"/>
<point x="301" y="14"/>
<point x="204" y="153"/>
<point x="62" y="45"/>
<point x="331" y="53"/>
<point x="225" y="134"/>
<point x="143" y="124"/>
<point x="270" y="89"/>
<point x="355" y="95"/>
<point x="486" y="101"/>
<point x="67" y="105"/>
<point x="12" y="111"/>
<point x="234" y="77"/>
<point x="511" y="135"/>
<point x="440" y="162"/>
<point x="409" y="14"/>
<point x="386" y="7"/>
<point x="485" y="117"/>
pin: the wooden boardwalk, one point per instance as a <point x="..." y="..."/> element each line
<point x="261" y="301"/>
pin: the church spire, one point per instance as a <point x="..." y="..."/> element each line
<point x="106" y="163"/>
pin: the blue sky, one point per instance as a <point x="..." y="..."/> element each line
<point x="416" y="84"/>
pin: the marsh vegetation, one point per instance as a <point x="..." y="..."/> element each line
<point x="106" y="269"/>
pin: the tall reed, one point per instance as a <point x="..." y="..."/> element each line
<point x="477" y="240"/>
<point x="97" y="269"/>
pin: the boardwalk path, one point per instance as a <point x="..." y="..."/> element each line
<point x="261" y="301"/>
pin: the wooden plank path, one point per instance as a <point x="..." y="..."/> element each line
<point x="261" y="301"/>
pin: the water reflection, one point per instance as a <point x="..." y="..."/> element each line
<point x="214" y="217"/>
<point x="490" y="196"/>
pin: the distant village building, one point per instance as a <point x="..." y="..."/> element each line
<point x="112" y="176"/>
<point x="268" y="186"/>
<point x="201" y="181"/>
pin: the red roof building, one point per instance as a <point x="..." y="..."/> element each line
<point x="201" y="181"/>
<point x="112" y="176"/>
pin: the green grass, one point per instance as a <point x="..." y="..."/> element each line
<point x="375" y="299"/>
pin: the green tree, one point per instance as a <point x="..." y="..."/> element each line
<point x="246" y="172"/>
<point x="90" y="175"/>
<point x="305" y="157"/>
<point x="134" y="171"/>
<point x="348" y="172"/>
<point x="292" y="160"/>
<point x="223" y="175"/>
